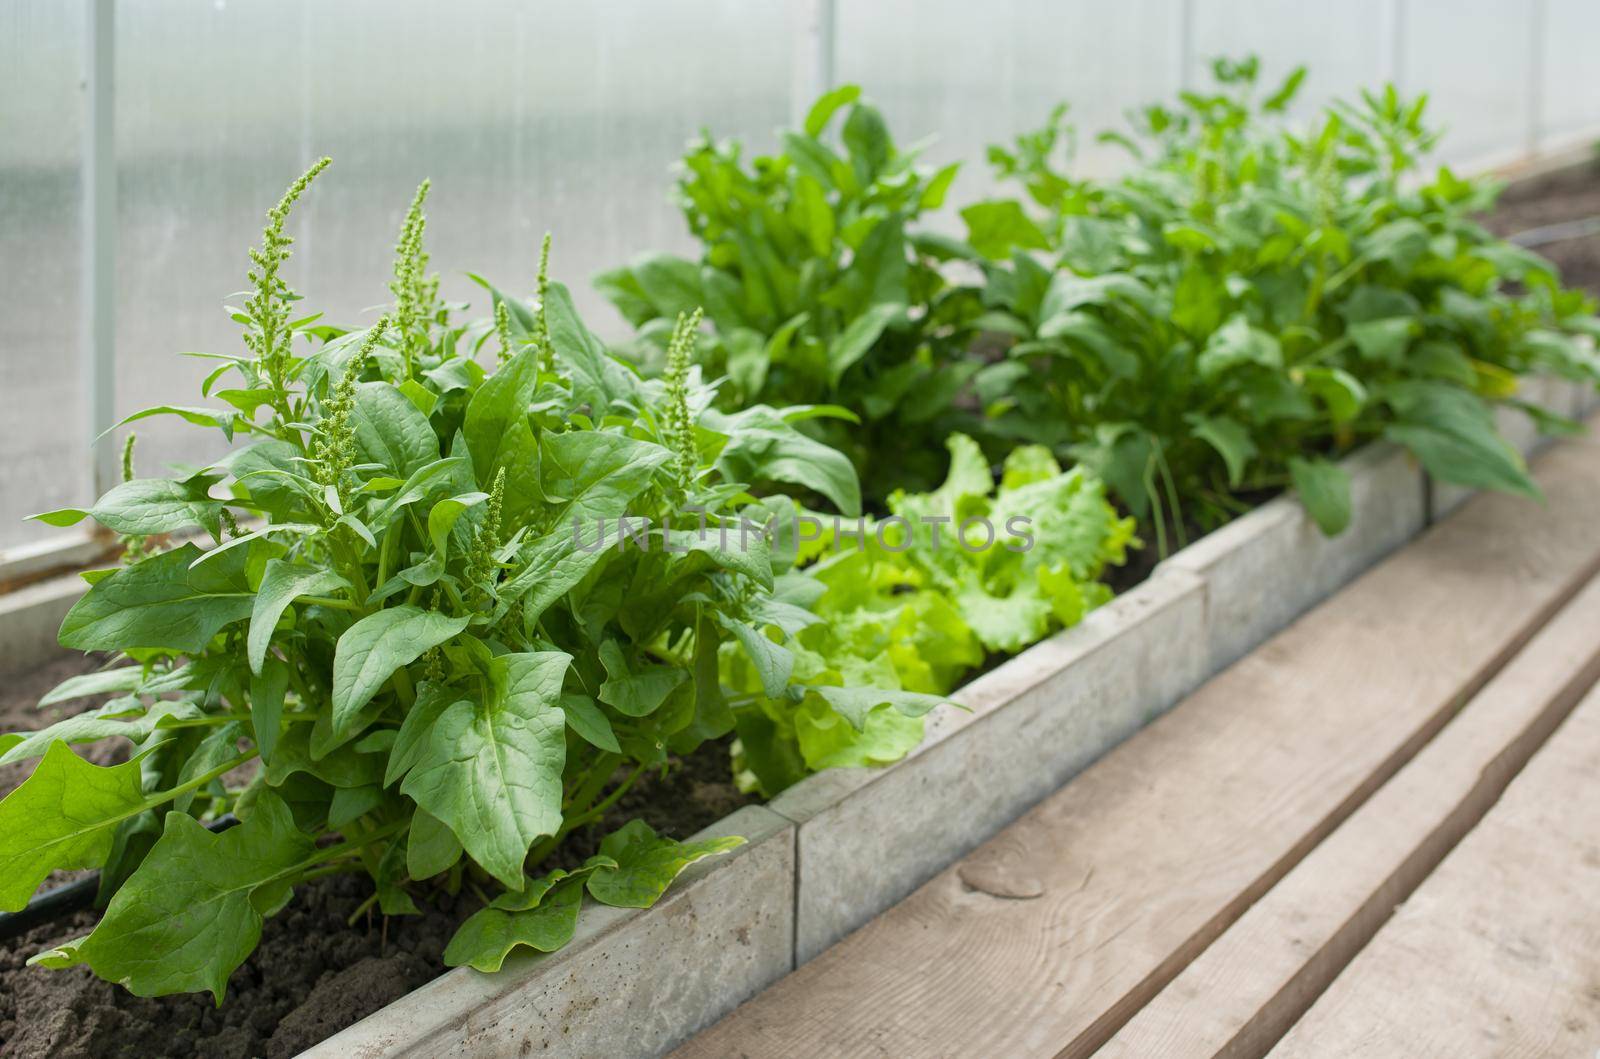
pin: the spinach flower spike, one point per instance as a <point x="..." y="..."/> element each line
<point x="502" y="329"/>
<point x="333" y="451"/>
<point x="547" y="353"/>
<point x="678" y="431"/>
<point x="133" y="545"/>
<point x="127" y="456"/>
<point x="413" y="292"/>
<point x="267" y="334"/>
<point x="481" y="562"/>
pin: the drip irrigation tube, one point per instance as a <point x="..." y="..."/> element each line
<point x="75" y="896"/>
<point x="1557" y="233"/>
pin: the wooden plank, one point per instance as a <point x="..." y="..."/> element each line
<point x="1498" y="952"/>
<point x="1250" y="985"/>
<point x="1049" y="937"/>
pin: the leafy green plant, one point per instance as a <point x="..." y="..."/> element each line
<point x="816" y="288"/>
<point x="919" y="599"/>
<point x="1248" y="303"/>
<point x="410" y="650"/>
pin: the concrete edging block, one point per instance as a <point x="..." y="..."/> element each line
<point x="29" y="619"/>
<point x="634" y="982"/>
<point x="1587" y="398"/>
<point x="867" y="838"/>
<point x="1266" y="568"/>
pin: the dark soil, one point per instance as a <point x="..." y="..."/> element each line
<point x="19" y="712"/>
<point x="312" y="975"/>
<point x="274" y="1006"/>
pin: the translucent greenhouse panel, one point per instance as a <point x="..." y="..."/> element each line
<point x="43" y="461"/>
<point x="1471" y="57"/>
<point x="1570" y="77"/>
<point x="209" y="111"/>
<point x="527" y="118"/>
<point x="979" y="74"/>
<point x="1345" y="46"/>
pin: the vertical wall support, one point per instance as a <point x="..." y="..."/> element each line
<point x="99" y="225"/>
<point x="1184" y="61"/>
<point x="1538" y="25"/>
<point x="814" y="70"/>
<point x="1392" y="42"/>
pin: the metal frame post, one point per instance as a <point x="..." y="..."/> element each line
<point x="1538" y="26"/>
<point x="1186" y="59"/>
<point x="99" y="294"/>
<point x="814" y="56"/>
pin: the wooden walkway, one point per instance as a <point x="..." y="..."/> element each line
<point x="1377" y="835"/>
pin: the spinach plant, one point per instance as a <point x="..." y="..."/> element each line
<point x="408" y="650"/>
<point x="816" y="288"/>
<point x="1248" y="303"/>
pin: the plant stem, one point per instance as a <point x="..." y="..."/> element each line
<point x="386" y="550"/>
<point x="362" y="909"/>
<point x="599" y="774"/>
<point x="568" y="826"/>
<point x="223" y="718"/>
<point x="329" y="601"/>
<point x="340" y="868"/>
<point x="342" y="849"/>
<point x="166" y="796"/>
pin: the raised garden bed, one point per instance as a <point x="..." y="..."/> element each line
<point x="815" y="866"/>
<point x="839" y="847"/>
<point x="819" y="862"/>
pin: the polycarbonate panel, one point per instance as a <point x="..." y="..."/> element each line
<point x="43" y="463"/>
<point x="1570" y="77"/>
<point x="209" y="112"/>
<point x="526" y="117"/>
<point x="567" y="116"/>
<point x="1471" y="57"/>
<point x="1345" y="46"/>
<point x="975" y="75"/>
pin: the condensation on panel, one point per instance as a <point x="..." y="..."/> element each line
<point x="975" y="75"/>
<point x="552" y="117"/>
<point x="1570" y="77"/>
<point x="43" y="443"/>
<point x="208" y="116"/>
<point x="1345" y="47"/>
<point x="1471" y="57"/>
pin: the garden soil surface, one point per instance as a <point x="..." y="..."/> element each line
<point x="313" y="975"/>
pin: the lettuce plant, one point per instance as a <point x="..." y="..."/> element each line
<point x="816" y="289"/>
<point x="1248" y="302"/>
<point x="418" y="645"/>
<point x="922" y="597"/>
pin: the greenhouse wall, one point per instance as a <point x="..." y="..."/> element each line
<point x="567" y="117"/>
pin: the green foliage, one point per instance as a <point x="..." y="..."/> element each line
<point x="1248" y="303"/>
<point x="816" y="288"/>
<point x="425" y="661"/>
<point x="449" y="614"/>
<point x="918" y="599"/>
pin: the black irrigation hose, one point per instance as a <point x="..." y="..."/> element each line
<point x="1556" y="233"/>
<point x="75" y="896"/>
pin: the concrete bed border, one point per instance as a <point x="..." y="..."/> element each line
<point x="818" y="864"/>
